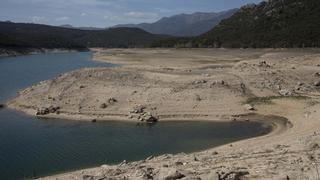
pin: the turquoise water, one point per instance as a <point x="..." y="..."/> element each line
<point x="39" y="147"/>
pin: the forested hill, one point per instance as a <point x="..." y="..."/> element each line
<point x="274" y="23"/>
<point x="21" y="35"/>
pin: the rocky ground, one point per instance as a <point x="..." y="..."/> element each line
<point x="8" y="52"/>
<point x="280" y="87"/>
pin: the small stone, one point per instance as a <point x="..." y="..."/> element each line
<point x="2" y="106"/>
<point x="94" y="120"/>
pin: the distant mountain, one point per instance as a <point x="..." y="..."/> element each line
<point x="22" y="35"/>
<point x="184" y="24"/>
<point x="272" y="23"/>
<point x="81" y="28"/>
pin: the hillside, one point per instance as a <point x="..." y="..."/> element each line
<point x="22" y="36"/>
<point x="81" y="28"/>
<point x="184" y="24"/>
<point x="285" y="23"/>
<point x="276" y="23"/>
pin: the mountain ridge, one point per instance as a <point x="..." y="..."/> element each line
<point x="184" y="24"/>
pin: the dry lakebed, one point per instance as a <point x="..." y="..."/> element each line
<point x="279" y="87"/>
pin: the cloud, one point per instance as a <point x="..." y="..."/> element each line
<point x="141" y="15"/>
<point x="64" y="18"/>
<point x="131" y="17"/>
<point x="38" y="19"/>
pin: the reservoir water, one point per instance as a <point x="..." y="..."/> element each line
<point x="38" y="147"/>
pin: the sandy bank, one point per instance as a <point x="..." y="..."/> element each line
<point x="197" y="84"/>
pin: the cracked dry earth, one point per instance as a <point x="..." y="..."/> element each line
<point x="280" y="87"/>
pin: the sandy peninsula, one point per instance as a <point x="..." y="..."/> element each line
<point x="280" y="87"/>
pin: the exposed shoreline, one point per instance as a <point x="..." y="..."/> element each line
<point x="12" y="52"/>
<point x="200" y="84"/>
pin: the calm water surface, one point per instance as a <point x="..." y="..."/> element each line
<point x="37" y="147"/>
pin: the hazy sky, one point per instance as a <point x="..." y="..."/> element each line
<point x="103" y="13"/>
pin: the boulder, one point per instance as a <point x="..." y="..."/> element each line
<point x="124" y="162"/>
<point x="53" y="109"/>
<point x="174" y="175"/>
<point x="112" y="100"/>
<point x="198" y="98"/>
<point x="87" y="177"/>
<point x="300" y="83"/>
<point x="317" y="83"/>
<point x="169" y="174"/>
<point x="42" y="111"/>
<point x="285" y="92"/>
<point x="264" y="64"/>
<point x="232" y="175"/>
<point x="47" y="110"/>
<point x="199" y="82"/>
<point x="138" y="109"/>
<point x="249" y="107"/>
<point x="147" y="117"/>
<point x="103" y="106"/>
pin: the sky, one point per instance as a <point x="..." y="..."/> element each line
<point x="105" y="13"/>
